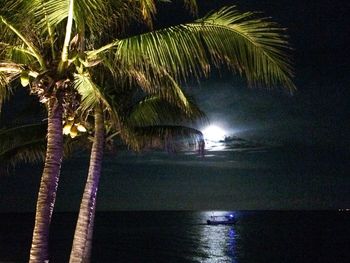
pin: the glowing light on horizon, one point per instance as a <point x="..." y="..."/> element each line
<point x="214" y="133"/>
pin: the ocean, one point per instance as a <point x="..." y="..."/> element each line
<point x="184" y="236"/>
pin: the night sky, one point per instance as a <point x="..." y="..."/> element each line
<point x="308" y="172"/>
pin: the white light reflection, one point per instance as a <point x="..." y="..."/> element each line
<point x="214" y="136"/>
<point x="218" y="243"/>
<point x="214" y="146"/>
<point x="213" y="133"/>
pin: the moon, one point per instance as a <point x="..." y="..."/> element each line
<point x="213" y="133"/>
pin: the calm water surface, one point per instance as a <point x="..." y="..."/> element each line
<point x="259" y="236"/>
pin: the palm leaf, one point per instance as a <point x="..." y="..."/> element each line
<point x="169" y="137"/>
<point x="260" y="48"/>
<point x="152" y="111"/>
<point x="256" y="47"/>
<point x="90" y="16"/>
<point x="155" y="111"/>
<point x="91" y="94"/>
<point x="88" y="91"/>
<point x="191" y="5"/>
<point x="19" y="54"/>
<point x="5" y="90"/>
<point x="22" y="144"/>
<point x="148" y="8"/>
<point x="91" y="13"/>
<point x="67" y="37"/>
<point x="26" y="144"/>
<point x="164" y="86"/>
<point x="161" y="84"/>
<point x="8" y="72"/>
<point x="32" y="49"/>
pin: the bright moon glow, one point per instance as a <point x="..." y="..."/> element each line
<point x="213" y="133"/>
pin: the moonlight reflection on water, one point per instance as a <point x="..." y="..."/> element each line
<point x="213" y="136"/>
<point x="218" y="242"/>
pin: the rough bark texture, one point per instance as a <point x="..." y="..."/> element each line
<point x="81" y="248"/>
<point x="47" y="193"/>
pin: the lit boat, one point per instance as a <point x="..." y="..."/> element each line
<point x="222" y="220"/>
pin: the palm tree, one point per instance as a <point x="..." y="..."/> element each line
<point x="38" y="49"/>
<point x="149" y="50"/>
<point x="46" y="57"/>
<point x="31" y="39"/>
<point x="134" y="123"/>
<point x="26" y="143"/>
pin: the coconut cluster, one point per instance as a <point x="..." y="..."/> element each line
<point x="72" y="127"/>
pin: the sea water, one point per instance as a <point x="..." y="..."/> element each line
<point x="297" y="178"/>
<point x="184" y="236"/>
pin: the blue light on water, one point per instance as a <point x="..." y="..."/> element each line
<point x="217" y="243"/>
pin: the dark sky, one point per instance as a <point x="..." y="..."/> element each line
<point x="317" y="113"/>
<point x="310" y="172"/>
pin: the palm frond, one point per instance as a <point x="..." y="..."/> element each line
<point x="8" y="72"/>
<point x="163" y="86"/>
<point x="10" y="68"/>
<point x="19" y="54"/>
<point x="167" y="137"/>
<point x="67" y="35"/>
<point x="91" y="94"/>
<point x="88" y="91"/>
<point x="192" y="6"/>
<point x="93" y="54"/>
<point x="256" y="47"/>
<point x="5" y="90"/>
<point x="22" y="144"/>
<point x="151" y="111"/>
<point x="161" y="83"/>
<point x="175" y="50"/>
<point x="52" y="13"/>
<point x="88" y="14"/>
<point x="32" y="49"/>
<point x="19" y="12"/>
<point x="148" y="10"/>
<point x="26" y="144"/>
<point x="156" y="111"/>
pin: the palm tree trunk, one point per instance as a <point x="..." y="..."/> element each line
<point x="88" y="246"/>
<point x="84" y="229"/>
<point x="47" y="193"/>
